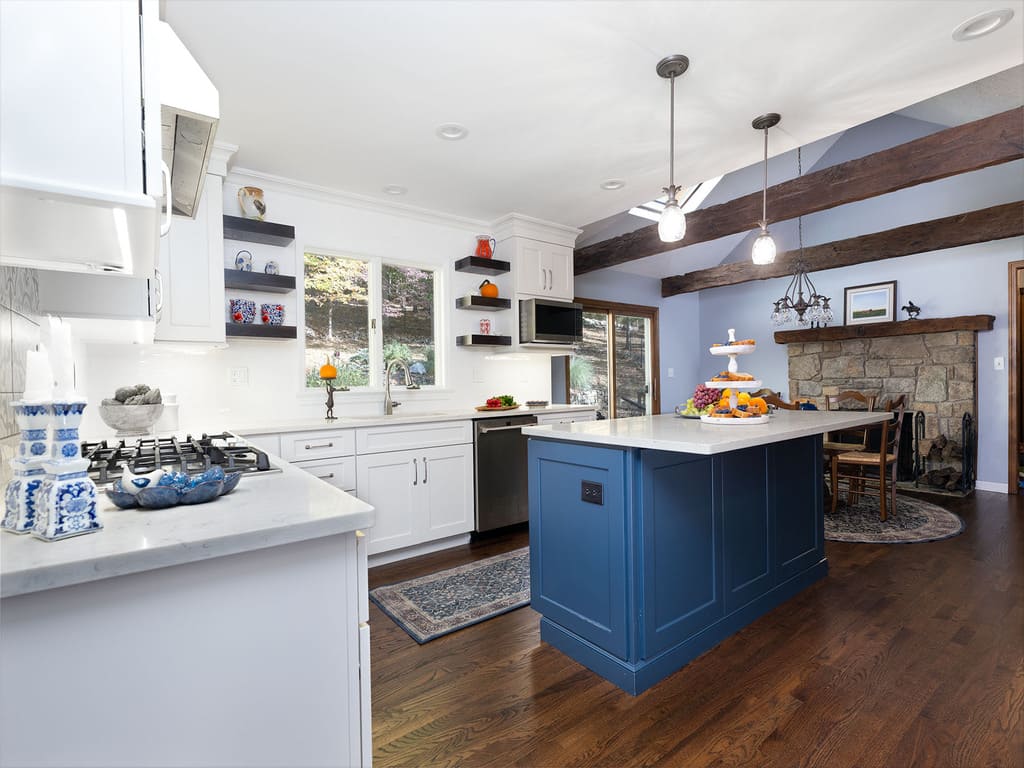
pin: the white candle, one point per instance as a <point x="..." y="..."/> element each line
<point x="38" y="375"/>
<point x="61" y="360"/>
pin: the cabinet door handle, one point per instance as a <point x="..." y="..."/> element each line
<point x="415" y="472"/>
<point x="165" y="175"/>
<point x="311" y="447"/>
<point x="328" y="476"/>
<point x="424" y="470"/>
<point x="159" y="290"/>
<point x="551" y="280"/>
<point x="544" y="276"/>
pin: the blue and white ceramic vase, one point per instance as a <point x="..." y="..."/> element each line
<point x="20" y="498"/>
<point x="66" y="500"/>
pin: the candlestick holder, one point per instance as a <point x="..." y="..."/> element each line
<point x="20" y="497"/>
<point x="331" y="389"/>
<point x="66" y="500"/>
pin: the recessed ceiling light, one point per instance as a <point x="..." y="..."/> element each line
<point x="452" y="131"/>
<point x="395" y="189"/>
<point x="982" y="24"/>
<point x="613" y="184"/>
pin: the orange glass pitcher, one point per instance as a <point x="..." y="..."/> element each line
<point x="485" y="245"/>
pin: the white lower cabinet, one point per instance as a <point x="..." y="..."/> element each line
<point x="420" y="495"/>
<point x="566" y="418"/>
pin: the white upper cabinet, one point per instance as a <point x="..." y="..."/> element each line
<point x="543" y="269"/>
<point x="541" y="254"/>
<point x="77" y="188"/>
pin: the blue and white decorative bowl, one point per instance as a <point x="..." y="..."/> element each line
<point x="271" y="268"/>
<point x="230" y="483"/>
<point x="201" y="493"/>
<point x="272" y="314"/>
<point x="243" y="311"/>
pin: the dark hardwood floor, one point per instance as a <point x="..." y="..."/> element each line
<point x="906" y="655"/>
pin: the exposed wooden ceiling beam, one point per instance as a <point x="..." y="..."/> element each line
<point x="980" y="144"/>
<point x="993" y="223"/>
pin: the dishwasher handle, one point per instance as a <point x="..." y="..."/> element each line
<point x="485" y="430"/>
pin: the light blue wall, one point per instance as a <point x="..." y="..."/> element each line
<point x="959" y="281"/>
<point x="678" y="343"/>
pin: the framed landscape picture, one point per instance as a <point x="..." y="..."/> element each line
<point x="875" y="303"/>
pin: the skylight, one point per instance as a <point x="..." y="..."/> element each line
<point x="692" y="197"/>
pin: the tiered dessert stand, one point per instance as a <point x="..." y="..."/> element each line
<point x="733" y="350"/>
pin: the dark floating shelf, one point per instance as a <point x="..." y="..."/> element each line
<point x="480" y="266"/>
<point x="482" y="303"/>
<point x="480" y="340"/>
<point x="252" y="231"/>
<point x="895" y="328"/>
<point x="253" y="331"/>
<point x="258" y="281"/>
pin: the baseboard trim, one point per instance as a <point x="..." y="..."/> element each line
<point x="383" y="558"/>
<point x="984" y="485"/>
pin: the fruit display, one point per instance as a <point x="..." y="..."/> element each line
<point x="730" y="376"/>
<point x="703" y="402"/>
<point x="501" y="401"/>
<point x="735" y="406"/>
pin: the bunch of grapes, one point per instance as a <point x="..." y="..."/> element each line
<point x="704" y="396"/>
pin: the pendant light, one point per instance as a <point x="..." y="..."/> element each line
<point x="672" y="224"/>
<point x="763" y="251"/>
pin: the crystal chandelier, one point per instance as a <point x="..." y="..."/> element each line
<point x="802" y="302"/>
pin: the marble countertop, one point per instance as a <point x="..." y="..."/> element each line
<point x="672" y="433"/>
<point x="265" y="510"/>
<point x="347" y="422"/>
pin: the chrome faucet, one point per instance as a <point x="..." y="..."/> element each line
<point x="389" y="405"/>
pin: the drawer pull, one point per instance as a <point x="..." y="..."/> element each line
<point x="311" y="447"/>
<point x="328" y="476"/>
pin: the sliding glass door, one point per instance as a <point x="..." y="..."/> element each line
<point x="615" y="366"/>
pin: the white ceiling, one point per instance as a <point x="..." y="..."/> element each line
<point x="559" y="96"/>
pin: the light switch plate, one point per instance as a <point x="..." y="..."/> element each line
<point x="999" y="363"/>
<point x="239" y="377"/>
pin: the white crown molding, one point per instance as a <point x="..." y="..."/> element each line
<point x="353" y="200"/>
<point x="521" y="225"/>
<point x="220" y="157"/>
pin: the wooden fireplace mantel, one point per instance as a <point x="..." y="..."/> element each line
<point x="898" y="328"/>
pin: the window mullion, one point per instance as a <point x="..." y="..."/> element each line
<point x="376" y="335"/>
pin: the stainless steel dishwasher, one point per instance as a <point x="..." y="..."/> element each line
<point x="501" y="492"/>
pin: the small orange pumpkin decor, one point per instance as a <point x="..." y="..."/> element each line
<point x="328" y="371"/>
<point x="488" y="289"/>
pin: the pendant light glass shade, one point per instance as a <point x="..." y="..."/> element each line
<point x="672" y="224"/>
<point x="763" y="251"/>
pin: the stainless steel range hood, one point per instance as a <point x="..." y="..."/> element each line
<point x="189" y="113"/>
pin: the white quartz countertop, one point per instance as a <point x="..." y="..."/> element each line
<point x="672" y="433"/>
<point x="265" y="510"/>
<point x="345" y="422"/>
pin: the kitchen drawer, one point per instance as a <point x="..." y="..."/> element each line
<point x="566" y="418"/>
<point x="339" y="472"/>
<point x="325" y="444"/>
<point x="413" y="436"/>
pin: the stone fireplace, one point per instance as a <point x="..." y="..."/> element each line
<point x="933" y="363"/>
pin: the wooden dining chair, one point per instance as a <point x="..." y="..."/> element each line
<point x="847" y="440"/>
<point x="772" y="399"/>
<point x="851" y="467"/>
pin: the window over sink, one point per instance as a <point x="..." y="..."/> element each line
<point x="363" y="313"/>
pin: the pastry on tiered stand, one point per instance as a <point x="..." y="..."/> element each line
<point x="753" y="410"/>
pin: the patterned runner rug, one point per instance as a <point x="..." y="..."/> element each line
<point x="914" y="521"/>
<point x="431" y="606"/>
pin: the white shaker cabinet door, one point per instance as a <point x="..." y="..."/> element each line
<point x="390" y="481"/>
<point x="191" y="273"/>
<point x="447" y="484"/>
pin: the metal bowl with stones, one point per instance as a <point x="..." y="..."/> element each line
<point x="131" y="419"/>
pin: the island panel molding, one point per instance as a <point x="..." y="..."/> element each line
<point x="995" y="223"/>
<point x="970" y="147"/>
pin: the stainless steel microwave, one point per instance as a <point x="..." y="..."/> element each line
<point x="542" y="321"/>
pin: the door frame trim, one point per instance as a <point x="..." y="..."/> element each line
<point x="642" y="310"/>
<point x="1016" y="339"/>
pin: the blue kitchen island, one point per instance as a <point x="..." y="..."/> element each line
<point x="654" y="538"/>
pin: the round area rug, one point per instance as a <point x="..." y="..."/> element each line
<point x="914" y="521"/>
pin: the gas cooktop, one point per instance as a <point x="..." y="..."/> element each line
<point x="191" y="455"/>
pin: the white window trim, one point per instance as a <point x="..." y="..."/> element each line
<point x="374" y="318"/>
